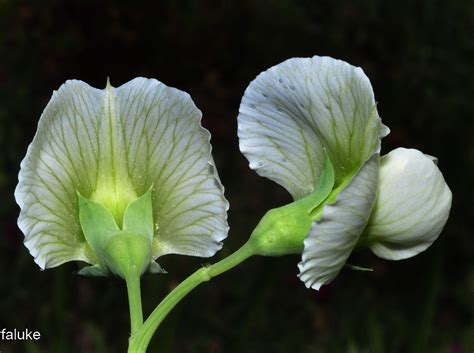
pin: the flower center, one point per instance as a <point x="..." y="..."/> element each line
<point x="114" y="189"/>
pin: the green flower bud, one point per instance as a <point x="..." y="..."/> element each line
<point x="282" y="230"/>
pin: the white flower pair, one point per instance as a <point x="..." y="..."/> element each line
<point x="112" y="146"/>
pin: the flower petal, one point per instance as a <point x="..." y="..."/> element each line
<point x="332" y="238"/>
<point x="412" y="205"/>
<point x="59" y="162"/>
<point x="111" y="146"/>
<point x="294" y="111"/>
<point x="168" y="148"/>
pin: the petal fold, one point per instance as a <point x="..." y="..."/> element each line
<point x="294" y="111"/>
<point x="332" y="238"/>
<point x="412" y="206"/>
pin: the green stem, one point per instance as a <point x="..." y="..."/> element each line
<point x="139" y="342"/>
<point x="134" y="302"/>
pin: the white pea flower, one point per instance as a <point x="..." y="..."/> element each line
<point x="304" y="110"/>
<point x="136" y="154"/>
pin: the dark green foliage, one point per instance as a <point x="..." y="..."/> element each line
<point x="419" y="56"/>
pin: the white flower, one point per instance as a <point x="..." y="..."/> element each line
<point x="111" y="146"/>
<point x="298" y="112"/>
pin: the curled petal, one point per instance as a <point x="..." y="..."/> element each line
<point x="293" y="112"/>
<point x="412" y="205"/>
<point x="112" y="146"/>
<point x="332" y="238"/>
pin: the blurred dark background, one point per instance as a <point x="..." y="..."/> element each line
<point x="419" y="56"/>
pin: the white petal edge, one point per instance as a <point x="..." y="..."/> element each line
<point x="412" y="206"/>
<point x="297" y="109"/>
<point x="332" y="238"/>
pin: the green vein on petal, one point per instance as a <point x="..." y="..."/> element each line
<point x="112" y="146"/>
<point x="412" y="206"/>
<point x="60" y="161"/>
<point x="294" y="111"/>
<point x="166" y="147"/>
<point x="332" y="238"/>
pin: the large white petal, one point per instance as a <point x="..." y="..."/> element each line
<point x="293" y="111"/>
<point x="111" y="146"/>
<point x="60" y="161"/>
<point x="166" y="147"/>
<point x="412" y="205"/>
<point x="332" y="238"/>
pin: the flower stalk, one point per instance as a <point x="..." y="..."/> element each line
<point x="140" y="340"/>
<point x="134" y="303"/>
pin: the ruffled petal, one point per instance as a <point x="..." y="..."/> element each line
<point x="332" y="238"/>
<point x="412" y="206"/>
<point x="168" y="148"/>
<point x="60" y="161"/>
<point x="294" y="111"/>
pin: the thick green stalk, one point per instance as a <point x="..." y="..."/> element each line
<point x="134" y="302"/>
<point x="139" y="341"/>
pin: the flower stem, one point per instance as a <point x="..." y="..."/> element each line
<point x="139" y="341"/>
<point x="134" y="302"/>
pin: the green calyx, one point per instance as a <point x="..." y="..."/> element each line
<point x="128" y="254"/>
<point x="122" y="250"/>
<point x="282" y="230"/>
